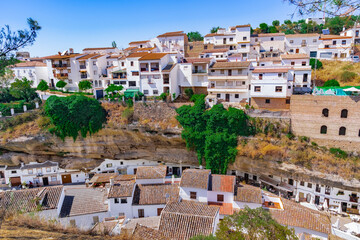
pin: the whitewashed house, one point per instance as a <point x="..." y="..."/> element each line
<point x="219" y="54"/>
<point x="303" y="44"/>
<point x="353" y="32"/>
<point x="267" y="45"/>
<point x="120" y="198"/>
<point x="195" y="184"/>
<point x="335" y="47"/>
<point x="151" y="174"/>
<point x="173" y="42"/>
<point x="32" y="70"/>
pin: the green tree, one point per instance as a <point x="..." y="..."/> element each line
<point x="6" y="77"/>
<point x="112" y="88"/>
<point x="253" y="224"/>
<point x="276" y="23"/>
<point x="85" y="85"/>
<point x="12" y="41"/>
<point x="194" y="36"/>
<point x="318" y="63"/>
<point x="21" y="89"/>
<point x="189" y="92"/>
<point x="73" y="115"/>
<point x="264" y="28"/>
<point x="273" y="29"/>
<point x="61" y="84"/>
<point x="331" y="83"/>
<point x="113" y="44"/>
<point x="201" y="237"/>
<point x="42" y="86"/>
<point x="214" y="29"/>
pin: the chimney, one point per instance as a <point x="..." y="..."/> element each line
<point x="71" y="50"/>
<point x="22" y="164"/>
<point x="111" y="181"/>
<point x="172" y="179"/>
<point x="344" y="28"/>
<point x="201" y="167"/>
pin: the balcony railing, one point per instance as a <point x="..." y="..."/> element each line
<point x="199" y="71"/>
<point x="144" y="69"/>
<point x="82" y="66"/>
<point x="61" y="75"/>
<point x="83" y="76"/>
<point x="317" y="189"/>
<point x="166" y="80"/>
<point x="60" y="65"/>
<point x="154" y="69"/>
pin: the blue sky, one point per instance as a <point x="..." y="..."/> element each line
<point x="89" y="23"/>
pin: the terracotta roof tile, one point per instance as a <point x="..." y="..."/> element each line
<point x="225" y="208"/>
<point x="101" y="48"/>
<point x="137" y="55"/>
<point x="249" y="194"/>
<point x="183" y="220"/>
<point x="151" y="172"/>
<point x="105" y="177"/>
<point x="30" y="64"/>
<point x="139" y="42"/>
<point x="326" y="37"/>
<point x="87" y="56"/>
<point x="197" y="60"/>
<point x="57" y="56"/>
<point x="270" y="34"/>
<point x="216" y="50"/>
<point x="195" y="178"/>
<point x="153" y="56"/>
<point x="146" y="233"/>
<point x="145" y="49"/>
<point x="296" y="215"/>
<point x="222" y="65"/>
<point x="150" y="194"/>
<point x="222" y="183"/>
<point x="295" y="56"/>
<point x="271" y="70"/>
<point x="302" y="35"/>
<point x="121" y="189"/>
<point x="270" y="59"/>
<point x="172" y="34"/>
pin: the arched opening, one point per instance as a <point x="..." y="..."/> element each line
<point x="323" y="129"/>
<point x="100" y="83"/>
<point x="342" y="131"/>
<point x="96" y="83"/>
<point x="344" y="113"/>
<point x="325" y="112"/>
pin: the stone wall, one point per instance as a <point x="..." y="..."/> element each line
<point x="307" y="120"/>
<point x="275" y="103"/>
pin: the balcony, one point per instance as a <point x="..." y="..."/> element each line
<point x="199" y="71"/>
<point x="318" y="189"/>
<point x="83" y="76"/>
<point x="82" y="66"/>
<point x="61" y="75"/>
<point x="144" y="69"/>
<point x="166" y="80"/>
<point x="60" y="65"/>
<point x="353" y="199"/>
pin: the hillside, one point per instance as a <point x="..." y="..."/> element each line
<point x="346" y="73"/>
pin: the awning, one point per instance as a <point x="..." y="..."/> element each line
<point x="119" y="71"/>
<point x="83" y="70"/>
<point x="352" y="89"/>
<point x="130" y="92"/>
<point x="276" y="184"/>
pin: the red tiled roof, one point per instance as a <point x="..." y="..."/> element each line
<point x="146" y="233"/>
<point x="197" y="60"/>
<point x="137" y="55"/>
<point x="218" y="50"/>
<point x="138" y="42"/>
<point x="195" y="178"/>
<point x="327" y="37"/>
<point x="222" y="183"/>
<point x="225" y="65"/>
<point x="30" y="64"/>
<point x="121" y="189"/>
<point x="295" y="56"/>
<point x="271" y="34"/>
<point x="153" y="56"/>
<point x="87" y="56"/>
<point x="150" y="194"/>
<point x="151" y="172"/>
<point x="225" y="208"/>
<point x="130" y="48"/>
<point x="271" y="70"/>
<point x="270" y="59"/>
<point x="172" y="34"/>
<point x="101" y="48"/>
<point x="58" y="56"/>
<point x="249" y="194"/>
<point x="302" y="35"/>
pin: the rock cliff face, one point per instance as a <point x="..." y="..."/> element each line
<point x="139" y="143"/>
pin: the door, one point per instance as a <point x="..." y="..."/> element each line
<point x="227" y="97"/>
<point x="196" y="69"/>
<point x="66" y="178"/>
<point x="224" y="41"/>
<point x="141" y="213"/>
<point x="229" y="73"/>
<point x="52" y="83"/>
<point x="159" y="211"/>
<point x="99" y="94"/>
<point x="15" y="181"/>
<point x="297" y="50"/>
<point x="344" y="206"/>
<point x="246" y="176"/>
<point x="317" y="200"/>
<point x="45" y="181"/>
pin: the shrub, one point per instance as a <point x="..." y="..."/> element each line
<point x="195" y="97"/>
<point x="74" y="114"/>
<point x="304" y="139"/>
<point x="128" y="113"/>
<point x="318" y="63"/>
<point x="42" y="86"/>
<point x="314" y="144"/>
<point x="338" y="152"/>
<point x="347" y="76"/>
<point x="61" y="84"/>
<point x="189" y="92"/>
<point x="163" y="96"/>
<point x="85" y="85"/>
<point x="174" y="96"/>
<point x="331" y="83"/>
<point x="129" y="102"/>
<point x="290" y="136"/>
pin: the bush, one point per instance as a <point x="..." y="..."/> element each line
<point x="338" y="152"/>
<point x="163" y="96"/>
<point x="129" y="102"/>
<point x="195" y="97"/>
<point x="85" y="85"/>
<point x="314" y="144"/>
<point x="128" y="114"/>
<point x="74" y="114"/>
<point x="61" y="84"/>
<point x="189" y="92"/>
<point x="304" y="139"/>
<point x="318" y="63"/>
<point x="42" y="86"/>
<point x="331" y="83"/>
<point x="347" y="76"/>
<point x="290" y="136"/>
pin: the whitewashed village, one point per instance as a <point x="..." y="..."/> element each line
<point x="268" y="76"/>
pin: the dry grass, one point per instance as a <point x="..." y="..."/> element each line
<point x="338" y="70"/>
<point x="300" y="153"/>
<point x="118" y="115"/>
<point x="25" y="129"/>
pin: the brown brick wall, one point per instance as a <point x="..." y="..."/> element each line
<point x="197" y="90"/>
<point x="275" y="103"/>
<point x="307" y="119"/>
<point x="196" y="48"/>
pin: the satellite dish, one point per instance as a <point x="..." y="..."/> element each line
<point x="63" y="53"/>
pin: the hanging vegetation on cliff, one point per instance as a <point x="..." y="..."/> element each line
<point x="74" y="114"/>
<point x="213" y="134"/>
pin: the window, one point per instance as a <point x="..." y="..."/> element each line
<point x="146" y="92"/>
<point x="243" y="46"/>
<point x="245" y="38"/>
<point x="257" y="89"/>
<point x="256" y="39"/>
<point x="309" y="185"/>
<point x="53" y="178"/>
<point x="279" y="74"/>
<point x="95" y="219"/>
<point x="155" y="92"/>
<point x="123" y="200"/>
<point x="291" y="41"/>
<point x="132" y="84"/>
<point x="313" y="54"/>
<point x="135" y="73"/>
<point x="302" y="183"/>
<point x="314" y="40"/>
<point x="109" y="165"/>
<point x="192" y="195"/>
<point x="132" y="63"/>
<point x="221" y="71"/>
<point x="342" y="55"/>
<point x="260" y="76"/>
<point x="70" y="81"/>
<point x="122" y="64"/>
<point x="303" y="64"/>
<point x="287" y="101"/>
<point x="272" y="39"/>
<point x="48" y="169"/>
<point x="325" y="112"/>
<point x="13" y="171"/>
<point x="289" y="87"/>
<point x="94" y="63"/>
<point x="344" y="113"/>
<point x="343" y="42"/>
<point x="141" y="213"/>
<point x="305" y="77"/>
<point x="323" y="129"/>
<point x="116" y="200"/>
<point x="231" y="39"/>
<point x="218" y="95"/>
<point x="334" y="42"/>
<point x="292" y="63"/>
<point x="220" y="198"/>
<point x="236" y="95"/>
<point x="267" y="100"/>
<point x="278" y="89"/>
<point x="30" y="171"/>
<point x="342" y="131"/>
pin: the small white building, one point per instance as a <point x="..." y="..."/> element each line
<point x="194" y="185"/>
<point x="216" y="53"/>
<point x="120" y="198"/>
<point x="335" y="47"/>
<point x="302" y="43"/>
<point x="353" y="32"/>
<point x="32" y="70"/>
<point x="151" y="174"/>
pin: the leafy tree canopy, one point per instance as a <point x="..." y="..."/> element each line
<point x="253" y="224"/>
<point x="276" y="23"/>
<point x="61" y="84"/>
<point x="318" y="63"/>
<point x="113" y="44"/>
<point x="6" y="77"/>
<point x="214" y="29"/>
<point x="331" y="83"/>
<point x="21" y="89"/>
<point x="264" y="28"/>
<point x="213" y="134"/>
<point x="85" y="85"/>
<point x="112" y="88"/>
<point x="74" y="114"/>
<point x="42" y="86"/>
<point x="194" y="36"/>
